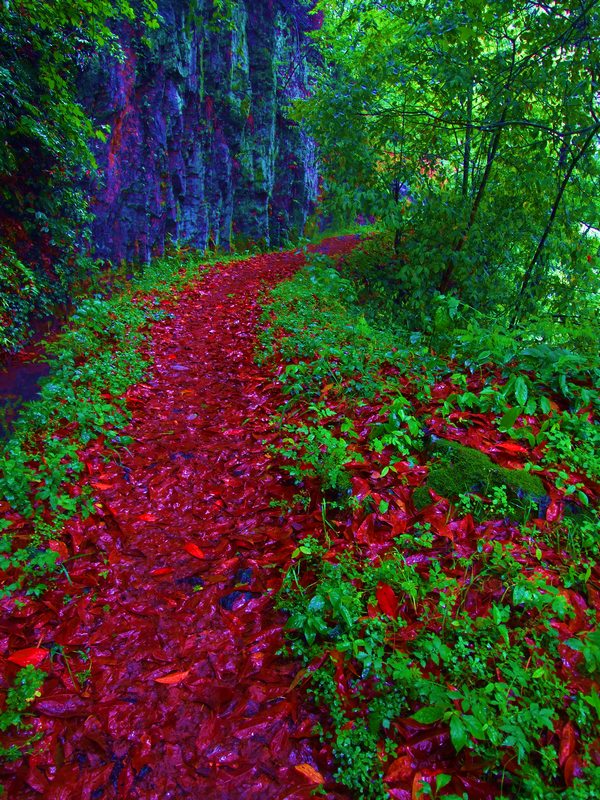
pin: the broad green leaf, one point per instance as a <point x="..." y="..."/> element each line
<point x="509" y="419"/>
<point x="442" y="780"/>
<point x="430" y="714"/>
<point x="521" y="391"/>
<point x="545" y="405"/>
<point x="458" y="733"/>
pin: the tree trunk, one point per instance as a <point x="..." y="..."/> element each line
<point x="492" y="151"/>
<point x="547" y="230"/>
<point x="467" y="151"/>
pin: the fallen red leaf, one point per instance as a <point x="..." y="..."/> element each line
<point x="173" y="678"/>
<point x="387" y="600"/>
<point x="399" y="770"/>
<point x="418" y="786"/>
<point x="366" y="530"/>
<point x="30" y="655"/>
<point x="572" y="769"/>
<point x="511" y="447"/>
<point x="60" y="548"/>
<point x="313" y="775"/>
<point x="568" y="743"/>
<point x="193" y="550"/>
<point x="148" y="517"/>
<point x="553" y="512"/>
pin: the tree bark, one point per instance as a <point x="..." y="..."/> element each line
<point x="547" y="230"/>
<point x="492" y="151"/>
<point x="467" y="151"/>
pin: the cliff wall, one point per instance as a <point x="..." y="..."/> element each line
<point x="199" y="149"/>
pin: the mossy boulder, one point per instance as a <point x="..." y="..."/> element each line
<point x="459" y="470"/>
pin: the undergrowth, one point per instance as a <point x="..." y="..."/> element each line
<point x="454" y="642"/>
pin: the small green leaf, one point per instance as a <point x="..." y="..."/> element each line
<point x="521" y="390"/>
<point x="430" y="714"/>
<point x="474" y="726"/>
<point x="539" y="672"/>
<point x="317" y="603"/>
<point x="509" y="419"/>
<point x="442" y="780"/>
<point x="458" y="733"/>
<point x="545" y="405"/>
<point x="521" y="594"/>
<point x="531" y="406"/>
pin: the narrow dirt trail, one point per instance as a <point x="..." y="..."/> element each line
<point x="175" y="578"/>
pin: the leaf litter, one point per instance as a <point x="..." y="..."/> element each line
<point x="169" y="602"/>
<point x="161" y="647"/>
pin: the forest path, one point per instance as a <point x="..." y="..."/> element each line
<point x="176" y="582"/>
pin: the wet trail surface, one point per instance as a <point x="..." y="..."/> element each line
<point x="171" y="583"/>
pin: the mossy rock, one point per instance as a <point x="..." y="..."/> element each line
<point x="464" y="470"/>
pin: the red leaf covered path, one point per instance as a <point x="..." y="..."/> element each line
<point x="171" y="594"/>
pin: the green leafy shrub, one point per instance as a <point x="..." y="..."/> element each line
<point x="46" y="155"/>
<point x="493" y="679"/>
<point x="460" y="626"/>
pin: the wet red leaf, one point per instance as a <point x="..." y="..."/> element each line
<point x="400" y="770"/>
<point x="568" y="742"/>
<point x="173" y="678"/>
<point x="148" y="517"/>
<point x="30" y="655"/>
<point x="365" y="533"/>
<point x="419" y="781"/>
<point x="387" y="600"/>
<point x="60" y="548"/>
<point x="572" y="769"/>
<point x="313" y="775"/>
<point x="193" y="550"/>
<point x="62" y="705"/>
<point x="511" y="447"/>
<point x="553" y="512"/>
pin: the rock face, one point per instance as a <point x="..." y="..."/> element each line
<point x="199" y="149"/>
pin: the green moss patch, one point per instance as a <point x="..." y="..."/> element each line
<point x="461" y="470"/>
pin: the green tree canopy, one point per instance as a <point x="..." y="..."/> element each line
<point x="473" y="125"/>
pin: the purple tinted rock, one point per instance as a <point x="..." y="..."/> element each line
<point x="199" y="150"/>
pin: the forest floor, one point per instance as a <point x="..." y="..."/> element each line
<point x="309" y="524"/>
<point x="168" y="604"/>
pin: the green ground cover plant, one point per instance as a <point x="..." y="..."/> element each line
<point x="448" y="604"/>
<point x="19" y="697"/>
